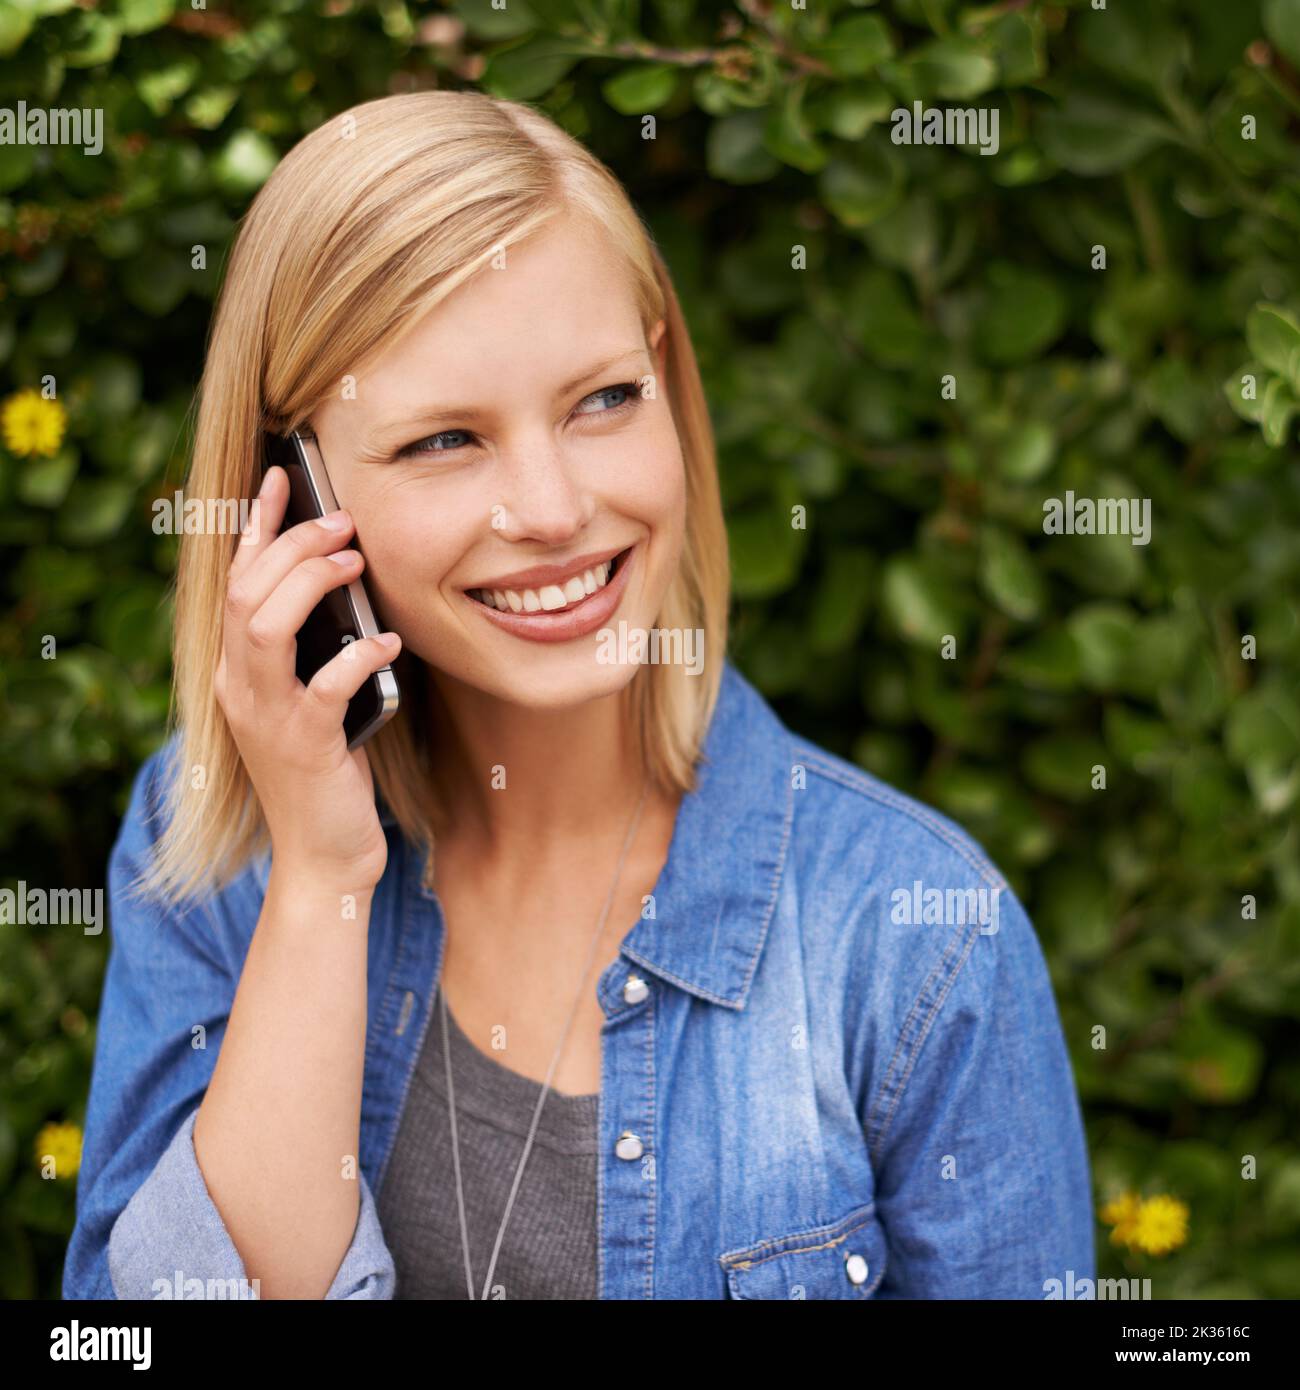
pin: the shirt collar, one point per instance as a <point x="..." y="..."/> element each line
<point x="717" y="891"/>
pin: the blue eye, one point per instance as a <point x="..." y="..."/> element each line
<point x="626" y="388"/>
<point x="629" y="390"/>
<point x="417" y="446"/>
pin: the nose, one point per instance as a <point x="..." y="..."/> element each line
<point x="542" y="496"/>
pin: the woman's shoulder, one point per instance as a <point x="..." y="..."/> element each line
<point x="896" y="831"/>
<point x="884" y="891"/>
<point x="836" y="810"/>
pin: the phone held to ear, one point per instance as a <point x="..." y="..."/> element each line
<point x="344" y="615"/>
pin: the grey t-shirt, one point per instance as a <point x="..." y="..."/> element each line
<point x="549" y="1248"/>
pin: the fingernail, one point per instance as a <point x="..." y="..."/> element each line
<point x="388" y="639"/>
<point x="344" y="557"/>
<point x="335" y="521"/>
<point x="266" y="478"/>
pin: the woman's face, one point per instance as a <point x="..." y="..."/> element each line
<point x="504" y="450"/>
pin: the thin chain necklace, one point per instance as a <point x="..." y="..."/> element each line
<point x="550" y="1072"/>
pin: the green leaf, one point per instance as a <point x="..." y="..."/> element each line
<point x="1219" y="1065"/>
<point x="1276" y="411"/>
<point x="40" y="273"/>
<point x="94" y="510"/>
<point x="1022" y="314"/>
<point x="920" y="603"/>
<point x="1263" y="725"/>
<point x="1017" y="42"/>
<point x="1237" y="384"/>
<point x="1025" y="452"/>
<point x="114" y="380"/>
<point x="245" y="163"/>
<point x="16" y="165"/>
<point x="641" y="88"/>
<point x="1104" y="634"/>
<point x="61" y="577"/>
<point x="486" y="21"/>
<point x="1178" y="397"/>
<point x="93" y="38"/>
<point x="787" y="135"/>
<point x="862" y="185"/>
<point x="1140" y="741"/>
<point x="1062" y="764"/>
<point x="210" y="106"/>
<point x="765" y="551"/>
<point x="16" y="22"/>
<point x="1205" y="793"/>
<point x="953" y="69"/>
<point x="1092" y="135"/>
<point x="140" y="16"/>
<point x="842" y="600"/>
<point x="1049" y="661"/>
<point x="1282" y="25"/>
<point x="850" y="109"/>
<point x="1009" y="576"/>
<point x="157" y="281"/>
<point x="855" y="45"/>
<point x="44" y="482"/>
<point x="1273" y="336"/>
<point x="735" y="151"/>
<point x="530" y="69"/>
<point x="884" y="319"/>
<point x="161" y="86"/>
<point x="908" y="237"/>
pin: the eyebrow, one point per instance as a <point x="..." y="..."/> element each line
<point x="472" y="413"/>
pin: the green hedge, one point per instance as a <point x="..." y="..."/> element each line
<point x="1164" y="133"/>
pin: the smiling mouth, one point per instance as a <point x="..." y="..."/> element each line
<point x="548" y="599"/>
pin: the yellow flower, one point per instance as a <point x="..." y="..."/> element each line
<point x="1122" y="1214"/>
<point x="62" y="1143"/>
<point x="31" y="424"/>
<point x="1161" y="1226"/>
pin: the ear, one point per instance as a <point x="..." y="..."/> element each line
<point x="658" y="342"/>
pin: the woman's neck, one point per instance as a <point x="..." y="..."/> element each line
<point x="533" y="782"/>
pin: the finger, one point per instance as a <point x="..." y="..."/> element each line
<point x="259" y="578"/>
<point x="330" y="689"/>
<point x="270" y="656"/>
<point x="250" y="589"/>
<point x="265" y="514"/>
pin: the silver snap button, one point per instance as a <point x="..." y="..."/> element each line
<point x="629" y="1146"/>
<point x="856" y="1268"/>
<point x="635" y="990"/>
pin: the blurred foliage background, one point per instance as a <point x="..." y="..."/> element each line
<point x="1166" y="133"/>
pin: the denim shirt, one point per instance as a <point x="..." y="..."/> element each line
<point x="830" y="1067"/>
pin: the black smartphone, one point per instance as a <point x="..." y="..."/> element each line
<point x="344" y="615"/>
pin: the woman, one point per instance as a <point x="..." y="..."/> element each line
<point x="584" y="977"/>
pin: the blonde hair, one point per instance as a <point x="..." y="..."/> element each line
<point x="364" y="226"/>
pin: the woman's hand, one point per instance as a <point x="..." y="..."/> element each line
<point x="317" y="797"/>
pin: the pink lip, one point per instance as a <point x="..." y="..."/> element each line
<point x="541" y="575"/>
<point x="573" y="622"/>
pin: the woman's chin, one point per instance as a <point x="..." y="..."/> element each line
<point x="544" y="677"/>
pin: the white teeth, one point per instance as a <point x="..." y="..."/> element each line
<point x="550" y="596"/>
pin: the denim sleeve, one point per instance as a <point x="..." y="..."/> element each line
<point x="171" y="1231"/>
<point x="144" y="1213"/>
<point x="976" y="1137"/>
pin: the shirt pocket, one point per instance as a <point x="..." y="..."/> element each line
<point x="845" y="1260"/>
